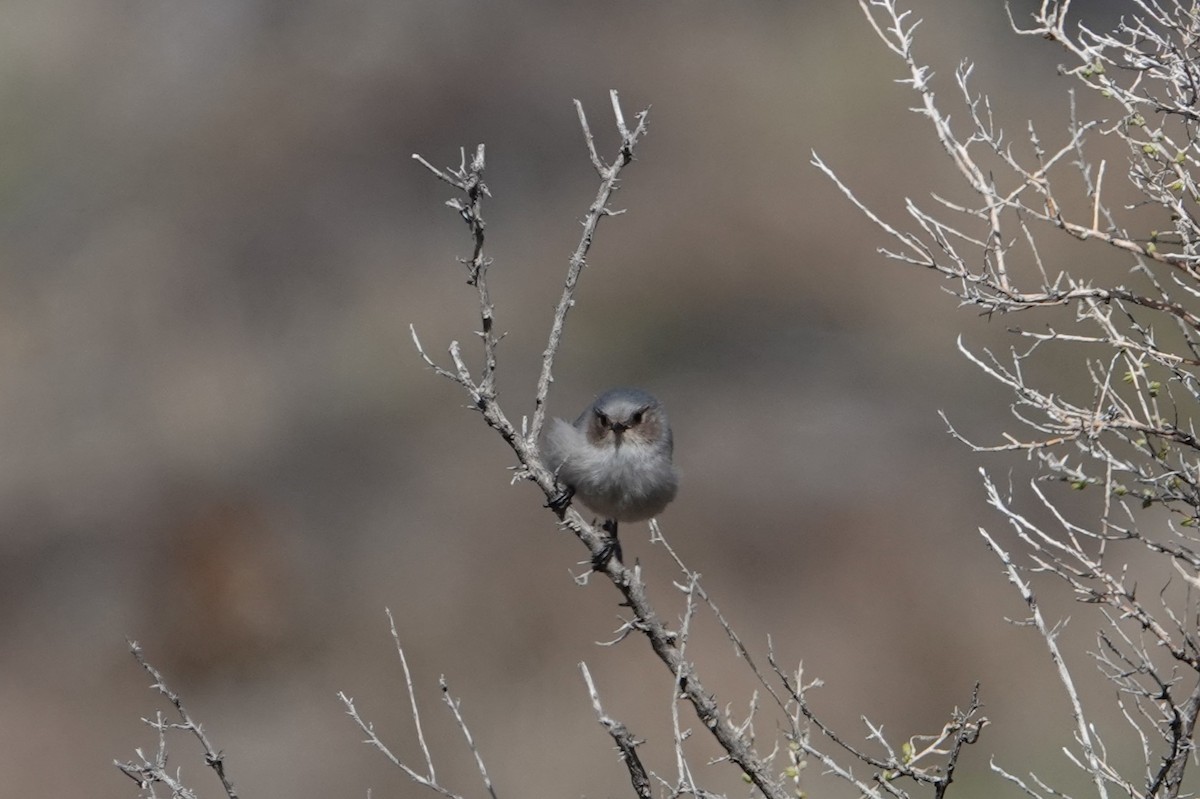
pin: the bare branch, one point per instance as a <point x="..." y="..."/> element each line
<point x="609" y="175"/>
<point x="1131" y="432"/>
<point x="148" y="772"/>
<point x="626" y="743"/>
<point x="429" y="778"/>
<point x="629" y="583"/>
<point x="455" y="708"/>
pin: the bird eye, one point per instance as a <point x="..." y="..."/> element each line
<point x="602" y="419"/>
<point x="637" y="417"/>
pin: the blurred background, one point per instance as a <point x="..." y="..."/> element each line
<point x="217" y="438"/>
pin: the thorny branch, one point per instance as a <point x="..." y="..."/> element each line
<point x="149" y="772"/>
<point x="736" y="738"/>
<point x="525" y="443"/>
<point x="623" y="738"/>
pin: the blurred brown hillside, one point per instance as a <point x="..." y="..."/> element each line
<point x="216" y="438"/>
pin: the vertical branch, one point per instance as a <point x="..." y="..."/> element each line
<point x="609" y="174"/>
<point x="412" y="700"/>
<point x="454" y="705"/>
<point x="468" y="178"/>
<point x="1083" y="730"/>
<point x="1170" y="775"/>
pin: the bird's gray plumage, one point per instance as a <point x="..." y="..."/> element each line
<point x="616" y="456"/>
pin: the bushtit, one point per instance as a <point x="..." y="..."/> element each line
<point x="616" y="459"/>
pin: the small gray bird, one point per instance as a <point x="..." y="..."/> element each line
<point x="616" y="459"/>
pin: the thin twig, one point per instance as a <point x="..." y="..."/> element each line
<point x="626" y="743"/>
<point x="454" y="705"/>
<point x="412" y="698"/>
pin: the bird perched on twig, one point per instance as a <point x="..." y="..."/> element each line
<point x="616" y="459"/>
